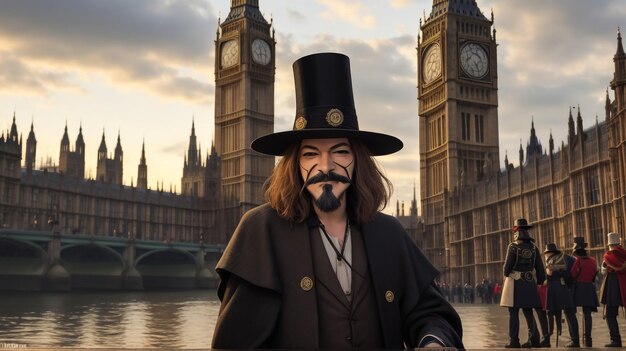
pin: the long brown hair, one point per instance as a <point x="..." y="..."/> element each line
<point x="369" y="192"/>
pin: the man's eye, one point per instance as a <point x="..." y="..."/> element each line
<point x="309" y="154"/>
<point x="343" y="152"/>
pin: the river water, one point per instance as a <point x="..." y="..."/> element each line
<point x="182" y="319"/>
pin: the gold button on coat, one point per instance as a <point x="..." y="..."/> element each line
<point x="306" y="283"/>
<point x="389" y="296"/>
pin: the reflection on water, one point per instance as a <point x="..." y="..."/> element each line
<point x="183" y="319"/>
<point x="175" y="319"/>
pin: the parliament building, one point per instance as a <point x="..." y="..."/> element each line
<point x="573" y="188"/>
<point x="216" y="189"/>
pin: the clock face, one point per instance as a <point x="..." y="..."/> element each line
<point x="261" y="52"/>
<point x="230" y="53"/>
<point x="474" y="60"/>
<point x="431" y="63"/>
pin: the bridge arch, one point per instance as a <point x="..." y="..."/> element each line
<point x="93" y="266"/>
<point x="167" y="268"/>
<point x="22" y="255"/>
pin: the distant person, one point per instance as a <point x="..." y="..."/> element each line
<point x="497" y="290"/>
<point x="613" y="291"/>
<point x="584" y="273"/>
<point x="319" y="266"/>
<point x="558" y="296"/>
<point x="523" y="271"/>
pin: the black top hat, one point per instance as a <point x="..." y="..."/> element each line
<point x="551" y="247"/>
<point x="521" y="223"/>
<point x="523" y="234"/>
<point x="324" y="108"/>
<point x="579" y="243"/>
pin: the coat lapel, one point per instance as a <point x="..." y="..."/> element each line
<point x="324" y="273"/>
<point x="359" y="264"/>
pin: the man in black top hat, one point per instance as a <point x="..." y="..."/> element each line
<point x="523" y="271"/>
<point x="318" y="266"/>
<point x="558" y="294"/>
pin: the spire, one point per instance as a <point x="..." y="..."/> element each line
<point x="506" y="159"/>
<point x="570" y="127"/>
<point x="551" y="142"/>
<point x="579" y="122"/>
<point x="13" y="134"/>
<point x="607" y="101"/>
<point x="118" y="147"/>
<point x="192" y="151"/>
<point x="65" y="140"/>
<point x="31" y="134"/>
<point x="143" y="152"/>
<point x="521" y="153"/>
<point x="620" y="48"/>
<point x="534" y="147"/>
<point x="79" y="139"/>
<point x="103" y="144"/>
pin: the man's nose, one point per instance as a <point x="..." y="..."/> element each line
<point x="326" y="163"/>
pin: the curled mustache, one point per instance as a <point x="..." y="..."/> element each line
<point x="326" y="177"/>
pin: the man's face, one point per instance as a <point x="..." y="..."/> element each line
<point x="326" y="166"/>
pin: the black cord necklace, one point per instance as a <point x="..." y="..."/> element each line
<point x="340" y="256"/>
<point x="339" y="253"/>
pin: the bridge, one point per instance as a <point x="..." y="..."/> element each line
<point x="51" y="261"/>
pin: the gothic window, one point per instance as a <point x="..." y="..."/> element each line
<point x="545" y="200"/>
<point x="593" y="189"/>
<point x="580" y="221"/>
<point x="465" y="125"/>
<point x="532" y="208"/>
<point x="579" y="200"/>
<point x="595" y="225"/>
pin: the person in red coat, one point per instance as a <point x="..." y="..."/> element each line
<point x="583" y="273"/>
<point x="613" y="290"/>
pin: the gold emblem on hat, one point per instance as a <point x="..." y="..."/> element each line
<point x="389" y="296"/>
<point x="300" y="123"/>
<point x="334" y="117"/>
<point x="306" y="283"/>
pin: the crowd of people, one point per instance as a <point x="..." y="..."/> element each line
<point x="485" y="291"/>
<point x="550" y="287"/>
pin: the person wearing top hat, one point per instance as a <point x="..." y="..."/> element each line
<point x="613" y="290"/>
<point x="558" y="297"/>
<point x="523" y="271"/>
<point x="583" y="272"/>
<point x="318" y="266"/>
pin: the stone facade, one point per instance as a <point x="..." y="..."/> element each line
<point x="468" y="203"/>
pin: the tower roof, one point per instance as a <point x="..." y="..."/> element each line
<point x="245" y="9"/>
<point x="467" y="8"/>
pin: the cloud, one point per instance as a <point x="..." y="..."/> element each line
<point x="141" y="42"/>
<point x="295" y="15"/>
<point x="353" y="12"/>
<point x="16" y="77"/>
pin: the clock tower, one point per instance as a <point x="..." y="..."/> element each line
<point x="458" y="116"/>
<point x="244" y="105"/>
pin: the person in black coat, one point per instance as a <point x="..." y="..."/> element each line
<point x="558" y="296"/>
<point x="523" y="271"/>
<point x="318" y="266"/>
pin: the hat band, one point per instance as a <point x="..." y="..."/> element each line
<point x="324" y="117"/>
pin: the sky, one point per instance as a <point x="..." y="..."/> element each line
<point x="144" y="70"/>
